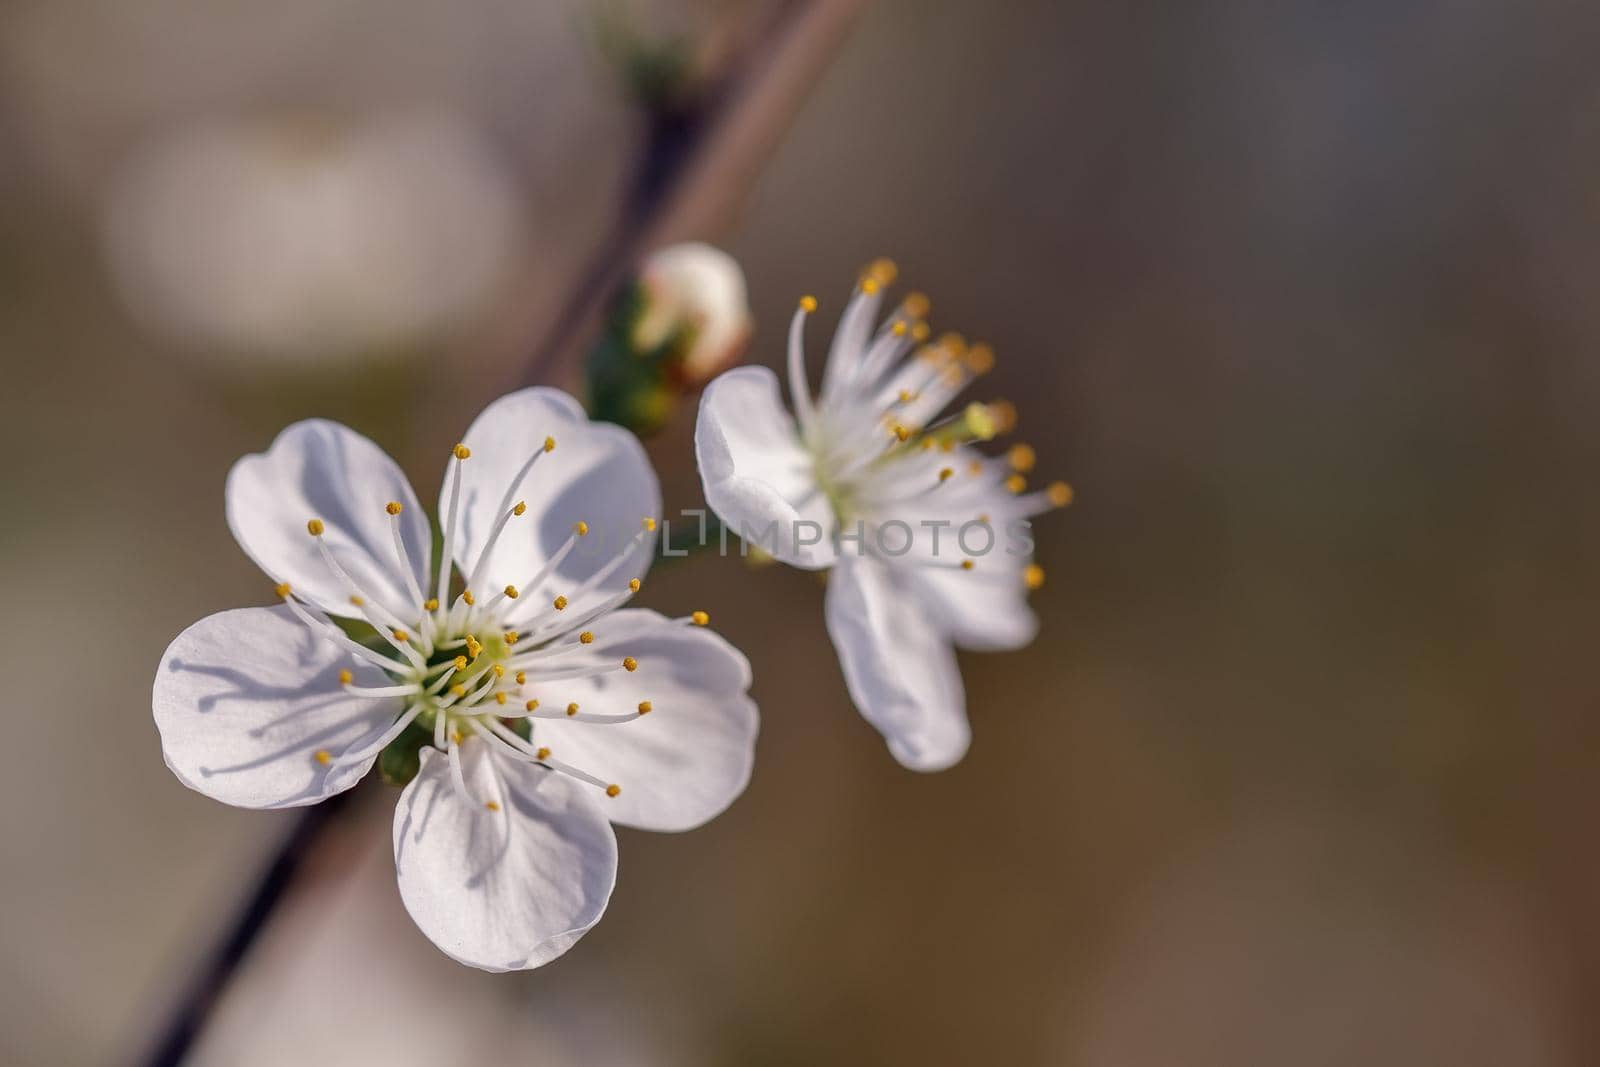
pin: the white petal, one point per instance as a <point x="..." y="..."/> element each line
<point x="505" y="889"/>
<point x="898" y="665"/>
<point x="320" y="469"/>
<point x="597" y="474"/>
<point x="983" y="610"/>
<point x="686" y="760"/>
<point x="756" y="474"/>
<point x="244" y="701"/>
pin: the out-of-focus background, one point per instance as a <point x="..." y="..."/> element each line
<point x="1301" y="297"/>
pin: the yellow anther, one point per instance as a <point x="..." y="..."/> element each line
<point x="700" y="618"/>
<point x="521" y="508"/>
<point x="899" y="328"/>
<point x="629" y="663"/>
<point x="975" y="468"/>
<point x="466" y="595"/>
<point x="869" y="285"/>
<point x="549" y="444"/>
<point x="532" y="705"/>
<point x="649" y="524"/>
<point x="613" y="789"/>
<point x="980" y="420"/>
<point x="499" y="698"/>
<point x="1060" y="494"/>
<point x="1016" y="483"/>
<point x="580" y="528"/>
<point x="954" y="345"/>
<point x="1005" y="415"/>
<point x="906" y="396"/>
<point x="511" y="592"/>
<point x="492" y="805"/>
<point x="980" y="359"/>
<point x="928" y="444"/>
<point x="430" y="605"/>
<point x="314" y="527"/>
<point x="633" y="585"/>
<point x="511" y="636"/>
<point x="357" y="601"/>
<point x="967" y="564"/>
<point x="920" y="332"/>
<point x="572" y="709"/>
<point x="455" y="735"/>
<point x="461" y="452"/>
<point x="645" y="707"/>
<point x="474" y="647"/>
<point x="499" y="670"/>
<point x="883" y="270"/>
<point x="401" y="635"/>
<point x="983" y="517"/>
<point x="345" y="677"/>
<point x="808" y="304"/>
<point x="917" y="305"/>
<point x="1033" y="576"/>
<point x="947" y="445"/>
<point x="283" y="590"/>
<point x="945" y="474"/>
<point x="458" y="689"/>
<point x="587" y="637"/>
<point x="560" y="603"/>
<point x="900" y="433"/>
<point x="393" y="507"/>
<point x="323" y="756"/>
<point x="522" y="679"/>
<point x="543" y="753"/>
<point x="1021" y="457"/>
<point x="461" y="663"/>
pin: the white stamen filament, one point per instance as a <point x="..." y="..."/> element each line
<point x="460" y="781"/>
<point x="394" y="731"/>
<point x="448" y="554"/>
<point x="375" y="613"/>
<point x="530" y="753"/>
<point x="382" y="690"/>
<point x="799" y="390"/>
<point x="480" y="568"/>
<point x="532" y="589"/>
<point x="404" y="559"/>
<point x="562" y="625"/>
<point x="325" y="629"/>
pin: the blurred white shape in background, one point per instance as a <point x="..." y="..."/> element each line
<point x="302" y="238"/>
<point x="701" y="288"/>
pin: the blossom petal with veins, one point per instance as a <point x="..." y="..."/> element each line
<point x="320" y="468"/>
<point x="594" y="472"/>
<point x="691" y="753"/>
<point x="898" y="666"/>
<point x="248" y="730"/>
<point x="508" y="887"/>
<point x="756" y="473"/>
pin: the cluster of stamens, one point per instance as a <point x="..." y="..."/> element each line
<point x="878" y="412"/>
<point x="468" y="666"/>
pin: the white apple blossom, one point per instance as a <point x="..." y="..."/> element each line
<point x="927" y="538"/>
<point x="544" y="710"/>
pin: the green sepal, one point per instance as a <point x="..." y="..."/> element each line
<point x="635" y="389"/>
<point x="401" y="758"/>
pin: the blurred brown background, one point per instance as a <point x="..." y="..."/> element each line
<point x="1300" y="297"/>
